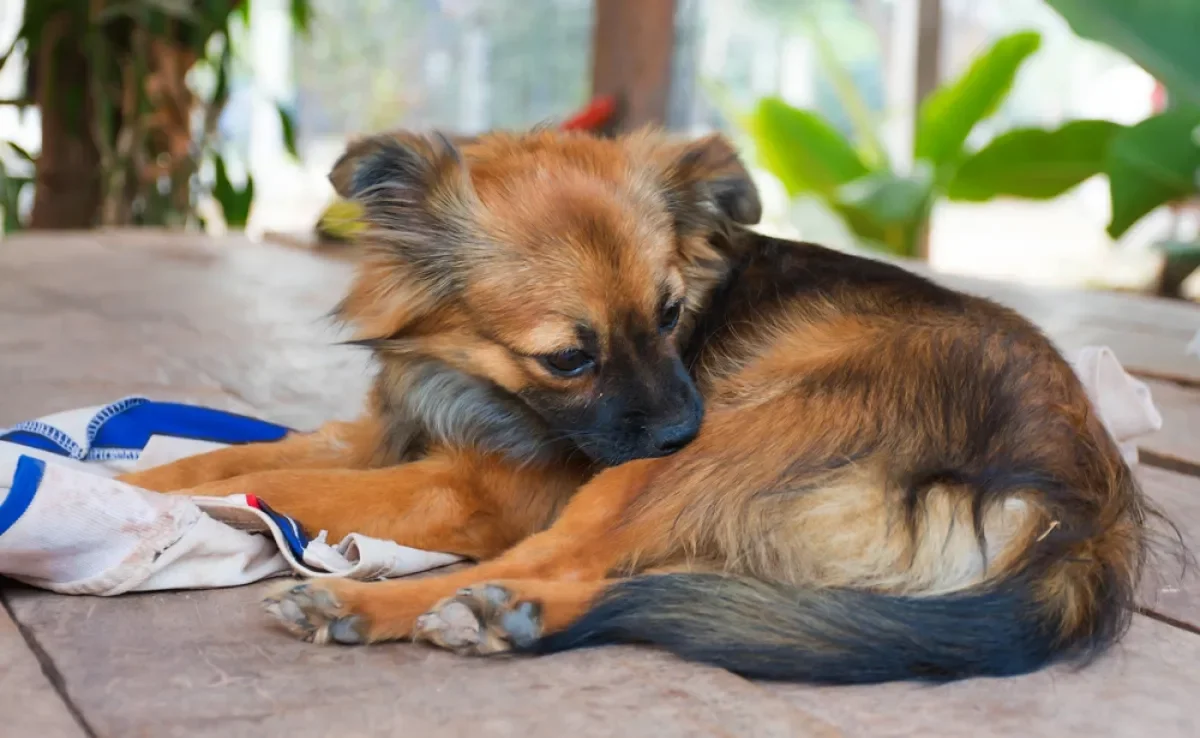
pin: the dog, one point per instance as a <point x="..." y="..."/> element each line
<point x="648" y="423"/>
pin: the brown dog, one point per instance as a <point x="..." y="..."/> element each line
<point x="652" y="425"/>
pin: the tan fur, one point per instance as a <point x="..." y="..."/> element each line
<point x="824" y="409"/>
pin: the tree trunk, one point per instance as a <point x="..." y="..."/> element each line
<point x="67" y="181"/>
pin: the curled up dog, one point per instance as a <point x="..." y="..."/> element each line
<point x="649" y="424"/>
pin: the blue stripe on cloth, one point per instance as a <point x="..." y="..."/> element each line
<point x="292" y="532"/>
<point x="64" y="444"/>
<point x="131" y="426"/>
<point x="25" y="482"/>
<point x="36" y="440"/>
<point x="121" y="430"/>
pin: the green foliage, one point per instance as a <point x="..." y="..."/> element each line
<point x="1157" y="161"/>
<point x="287" y="124"/>
<point x="1160" y="35"/>
<point x="133" y="192"/>
<point x="802" y="149"/>
<point x="302" y="15"/>
<point x="11" y="188"/>
<point x="952" y="111"/>
<point x="1148" y="165"/>
<point x="235" y="203"/>
<point x="1151" y="164"/>
<point x="1034" y="163"/>
<point x="301" y="12"/>
<point x="885" y="209"/>
<point x="888" y="209"/>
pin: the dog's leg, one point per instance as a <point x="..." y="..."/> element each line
<point x="499" y="616"/>
<point x="333" y="446"/>
<point x="455" y="503"/>
<point x="594" y="535"/>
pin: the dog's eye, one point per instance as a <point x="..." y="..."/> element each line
<point x="670" y="317"/>
<point x="569" y="363"/>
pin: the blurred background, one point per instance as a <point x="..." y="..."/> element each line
<point x="1041" y="141"/>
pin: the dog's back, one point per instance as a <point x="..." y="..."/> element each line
<point x="895" y="480"/>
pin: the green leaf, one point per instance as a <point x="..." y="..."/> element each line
<point x="341" y="220"/>
<point x="802" y="150"/>
<point x="288" y="125"/>
<point x="10" y="199"/>
<point x="888" y="198"/>
<point x="1034" y="163"/>
<point x="243" y="10"/>
<point x="950" y="113"/>
<point x="1152" y="164"/>
<point x="235" y="204"/>
<point x="1160" y="35"/>
<point x="222" y="187"/>
<point x="888" y="210"/>
<point x="302" y="13"/>
<point x="22" y="152"/>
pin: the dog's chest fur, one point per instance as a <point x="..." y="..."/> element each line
<point x="425" y="403"/>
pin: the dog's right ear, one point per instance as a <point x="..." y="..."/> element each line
<point x="388" y="164"/>
<point x="416" y="196"/>
<point x="418" y="207"/>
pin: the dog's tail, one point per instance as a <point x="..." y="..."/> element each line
<point x="836" y="636"/>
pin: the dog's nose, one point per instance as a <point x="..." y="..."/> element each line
<point x="669" y="439"/>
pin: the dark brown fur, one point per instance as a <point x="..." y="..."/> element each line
<point x="892" y="479"/>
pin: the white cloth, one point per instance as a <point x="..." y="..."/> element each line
<point x="67" y="526"/>
<point x="1122" y="401"/>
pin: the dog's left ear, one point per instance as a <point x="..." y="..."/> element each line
<point x="705" y="178"/>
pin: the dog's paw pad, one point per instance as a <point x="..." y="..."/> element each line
<point x="313" y="613"/>
<point x="481" y="620"/>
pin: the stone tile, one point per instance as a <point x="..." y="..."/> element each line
<point x="39" y="397"/>
<point x="29" y="706"/>
<point x="1171" y="583"/>
<point x="183" y="313"/>
<point x="209" y="663"/>
<point x="1179" y="438"/>
<point x="1147" y="686"/>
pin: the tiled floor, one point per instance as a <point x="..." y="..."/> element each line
<point x="88" y="318"/>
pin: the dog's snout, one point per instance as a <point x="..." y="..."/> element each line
<point x="669" y="439"/>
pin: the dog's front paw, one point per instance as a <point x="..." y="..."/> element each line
<point x="484" y="619"/>
<point x="318" y="611"/>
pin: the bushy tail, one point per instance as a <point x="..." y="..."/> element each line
<point x="831" y="636"/>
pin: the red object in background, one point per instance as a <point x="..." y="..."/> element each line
<point x="1158" y="98"/>
<point x="595" y="115"/>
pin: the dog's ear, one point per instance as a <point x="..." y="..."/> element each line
<point x="417" y="200"/>
<point x="705" y="178"/>
<point x="398" y="162"/>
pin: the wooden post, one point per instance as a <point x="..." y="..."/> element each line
<point x="633" y="42"/>
<point x="929" y="49"/>
<point x="927" y="71"/>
